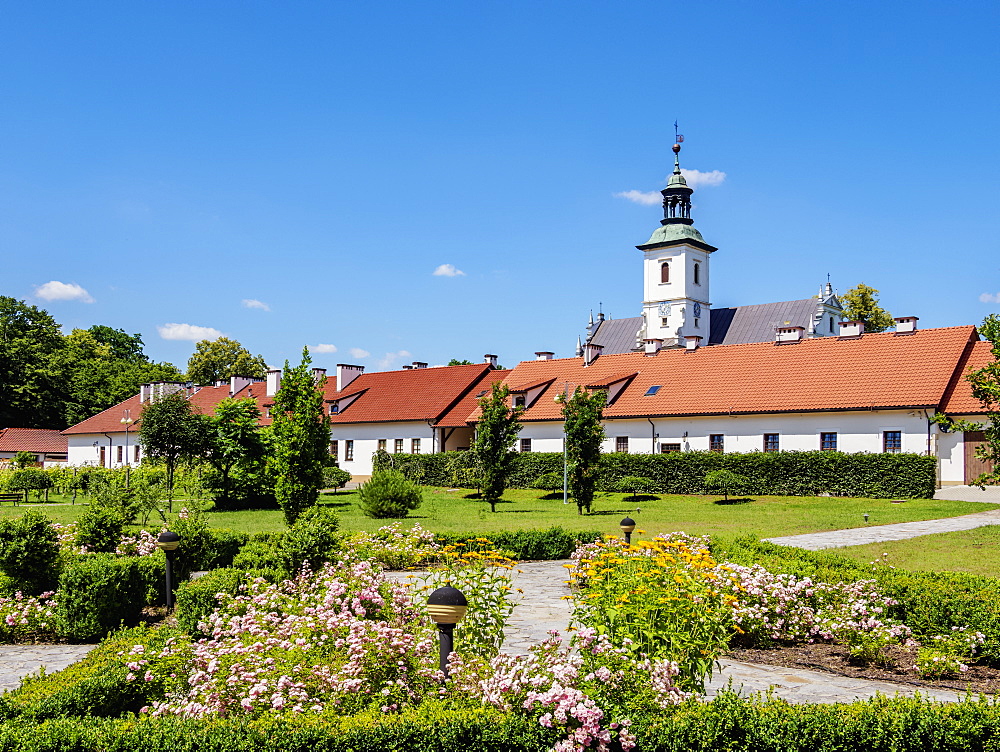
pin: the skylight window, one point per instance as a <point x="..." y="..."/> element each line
<point x="481" y="393"/>
<point x="652" y="390"/>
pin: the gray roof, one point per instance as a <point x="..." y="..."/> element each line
<point x="617" y="335"/>
<point x="755" y="323"/>
<point x="728" y="326"/>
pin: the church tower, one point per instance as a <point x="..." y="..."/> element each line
<point x="675" y="301"/>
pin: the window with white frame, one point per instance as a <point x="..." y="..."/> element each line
<point x="335" y="449"/>
<point x="349" y="450"/>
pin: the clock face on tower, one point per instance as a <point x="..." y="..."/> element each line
<point x="664" y="309"/>
<point x="697" y="310"/>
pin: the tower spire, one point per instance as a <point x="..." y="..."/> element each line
<point x="677" y="194"/>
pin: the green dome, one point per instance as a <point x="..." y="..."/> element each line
<point x="674" y="232"/>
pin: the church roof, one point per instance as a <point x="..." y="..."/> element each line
<point x="617" y="335"/>
<point x="741" y="325"/>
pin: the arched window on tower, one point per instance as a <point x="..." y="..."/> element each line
<point x="664" y="272"/>
<point x="697" y="274"/>
<point x="831" y="325"/>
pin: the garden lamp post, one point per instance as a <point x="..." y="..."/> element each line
<point x="627" y="525"/>
<point x="168" y="542"/>
<point x="447" y="607"/>
<point x="866" y="517"/>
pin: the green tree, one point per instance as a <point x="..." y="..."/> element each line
<point x="457" y="362"/>
<point x="582" y="413"/>
<point x="170" y="430"/>
<point x="301" y="433"/>
<point x="217" y="360"/>
<point x="861" y="304"/>
<point x="986" y="388"/>
<point x="234" y="439"/>
<point x="30" y="392"/>
<point x="493" y="446"/>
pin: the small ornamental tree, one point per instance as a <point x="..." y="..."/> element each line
<point x="170" y="430"/>
<point x="493" y="447"/>
<point x="550" y="482"/>
<point x="389" y="495"/>
<point x="725" y="480"/>
<point x="301" y="434"/>
<point x="582" y="413"/>
<point x="234" y="440"/>
<point x="635" y="485"/>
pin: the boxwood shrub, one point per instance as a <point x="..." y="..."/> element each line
<point x="876" y="476"/>
<point x="538" y="545"/>
<point x="99" y="592"/>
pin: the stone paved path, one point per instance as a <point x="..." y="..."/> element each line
<point x="879" y="533"/>
<point x="990" y="494"/>
<point x="17" y="661"/>
<point x="542" y="608"/>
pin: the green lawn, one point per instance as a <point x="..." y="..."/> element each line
<point x="451" y="511"/>
<point x="976" y="551"/>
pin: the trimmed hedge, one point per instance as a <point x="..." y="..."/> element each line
<point x="930" y="603"/>
<point x="533" y="545"/>
<point x="875" y="476"/>
<point x="727" y="724"/>
<point x="99" y="592"/>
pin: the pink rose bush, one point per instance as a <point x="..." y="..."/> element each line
<point x="26" y="617"/>
<point x="396" y="547"/>
<point x="142" y="543"/>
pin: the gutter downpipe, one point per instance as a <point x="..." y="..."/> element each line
<point x="937" y="459"/>
<point x="653" y="435"/>
<point x="110" y="447"/>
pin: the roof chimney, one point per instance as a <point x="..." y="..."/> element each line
<point x="346" y="374"/>
<point x="407" y="367"/>
<point x="692" y="341"/>
<point x="852" y="328"/>
<point x="318" y="375"/>
<point x="591" y="352"/>
<point x="544" y="355"/>
<point x="653" y="345"/>
<point x="273" y="382"/>
<point x="789" y="333"/>
<point x="419" y="364"/>
<point x="906" y="324"/>
<point x="490" y="360"/>
<point x="145" y="393"/>
<point x="237" y="383"/>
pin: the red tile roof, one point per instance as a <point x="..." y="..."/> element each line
<point x="415" y="394"/>
<point x="203" y="401"/>
<point x="459" y="414"/>
<point x="38" y="440"/>
<point x="873" y="371"/>
<point x="958" y="400"/>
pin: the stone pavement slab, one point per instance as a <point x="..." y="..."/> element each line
<point x="880" y="533"/>
<point x="989" y="495"/>
<point x="18" y="661"/>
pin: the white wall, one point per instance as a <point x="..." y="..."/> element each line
<point x="366" y="435"/>
<point x="856" y="432"/>
<point x="83" y="451"/>
<point x="951" y="454"/>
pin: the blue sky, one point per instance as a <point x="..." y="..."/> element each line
<point x="165" y="163"/>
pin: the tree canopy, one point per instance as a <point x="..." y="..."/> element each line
<point x="493" y="446"/>
<point x="861" y="304"/>
<point x="170" y="430"/>
<point x="29" y="389"/>
<point x="582" y="413"/>
<point x="217" y="360"/>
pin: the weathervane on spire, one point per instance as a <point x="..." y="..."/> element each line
<point x="678" y="138"/>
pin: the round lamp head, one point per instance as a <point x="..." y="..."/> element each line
<point x="447" y="605"/>
<point x="627" y="525"/>
<point x="168" y="540"/>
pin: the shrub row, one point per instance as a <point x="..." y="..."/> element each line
<point x="728" y="723"/>
<point x="930" y="603"/>
<point x="532" y="545"/>
<point x="876" y="476"/>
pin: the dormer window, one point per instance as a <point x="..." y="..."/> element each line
<point x="518" y="400"/>
<point x="334" y="408"/>
<point x="697" y="274"/>
<point x="664" y="272"/>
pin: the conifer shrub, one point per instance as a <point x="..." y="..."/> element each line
<point x="389" y="495"/>
<point x="312" y="540"/>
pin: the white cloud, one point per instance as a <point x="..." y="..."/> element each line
<point x="357" y="352"/>
<point x="988" y="298"/>
<point x="699" y="179"/>
<point x="254" y="303"/>
<point x="638" y="197"/>
<point x="188" y="332"/>
<point x="325" y="349"/>
<point x="63" y="291"/>
<point x="448" y="270"/>
<point x="391" y="360"/>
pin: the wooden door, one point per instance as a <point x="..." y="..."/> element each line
<point x="103" y="453"/>
<point x="974" y="467"/>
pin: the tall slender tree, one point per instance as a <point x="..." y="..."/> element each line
<point x="301" y="433"/>
<point x="170" y="430"/>
<point x="496" y="433"/>
<point x="582" y="413"/>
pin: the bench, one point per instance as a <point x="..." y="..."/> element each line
<point x="15" y="497"/>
